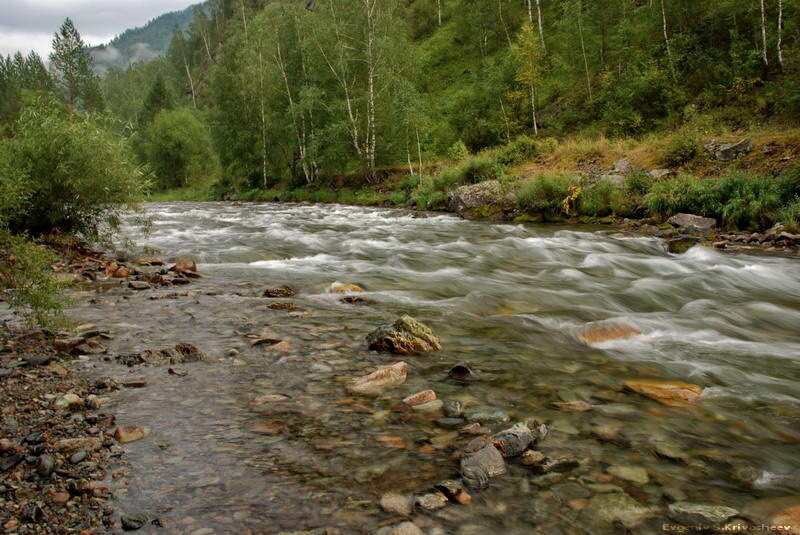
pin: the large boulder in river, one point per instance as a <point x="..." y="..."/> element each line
<point x="405" y="336"/>
<point x="481" y="461"/>
<point x="465" y="199"/>
<point x="693" y="223"/>
<point x="727" y="152"/>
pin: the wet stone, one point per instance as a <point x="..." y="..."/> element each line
<point x="607" y="509"/>
<point x="432" y="501"/>
<point x="397" y="503"/>
<point x="405" y="336"/>
<point x="133" y="522"/>
<point x="699" y="513"/>
<point x="513" y="441"/>
<point x="635" y="474"/>
<point x="487" y="416"/>
<point x="570" y="491"/>
<point x="453" y="409"/>
<point x="279" y="292"/>
<point x="451" y="423"/>
<point x="481" y="461"/>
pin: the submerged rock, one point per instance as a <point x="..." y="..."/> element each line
<point x="404" y="528"/>
<point x="635" y="474"/>
<point x="487" y="416"/>
<point x="670" y="393"/>
<point x="481" y="461"/>
<point x="180" y="354"/>
<point x="340" y="288"/>
<point x="420" y="398"/>
<point x="432" y="501"/>
<point x="606" y="509"/>
<point x="700" y="513"/>
<point x="400" y="504"/>
<point x="405" y="336"/>
<point x="681" y="244"/>
<point x="602" y="333"/>
<point x="379" y="380"/>
<point x="461" y="372"/>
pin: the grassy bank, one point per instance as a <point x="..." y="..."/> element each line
<point x="574" y="178"/>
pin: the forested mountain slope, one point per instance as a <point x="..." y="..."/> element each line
<point x="141" y="44"/>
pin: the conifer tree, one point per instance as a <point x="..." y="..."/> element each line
<point x="72" y="65"/>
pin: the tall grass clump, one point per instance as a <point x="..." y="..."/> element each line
<point x="545" y="194"/>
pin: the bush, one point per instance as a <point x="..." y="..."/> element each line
<point x="397" y="197"/>
<point x="789" y="215"/>
<point x="324" y="195"/>
<point x="78" y="177"/>
<point x="296" y="195"/>
<point x="545" y="194"/>
<point x="410" y="182"/>
<point x="178" y="148"/>
<point x="479" y="168"/>
<point x="520" y="150"/>
<point x="681" y="150"/>
<point x="738" y="200"/>
<point x="429" y="199"/>
<point x="637" y="183"/>
<point x="457" y="151"/>
<point x="26" y="275"/>
<point x="598" y="199"/>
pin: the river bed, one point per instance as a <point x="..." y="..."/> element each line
<point x="510" y="301"/>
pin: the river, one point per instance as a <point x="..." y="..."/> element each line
<point x="508" y="300"/>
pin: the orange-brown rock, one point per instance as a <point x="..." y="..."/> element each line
<point x="392" y="442"/>
<point x="776" y="512"/>
<point x="122" y="273"/>
<point x="575" y="406"/>
<point x="339" y="288"/>
<point x="268" y="427"/>
<point x="420" y="398"/>
<point x="129" y="433"/>
<point x="184" y="264"/>
<point x="671" y="393"/>
<point x="603" y="333"/>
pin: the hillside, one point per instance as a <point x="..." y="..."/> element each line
<point x="141" y="44"/>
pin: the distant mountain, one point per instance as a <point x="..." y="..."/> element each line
<point x="141" y="44"/>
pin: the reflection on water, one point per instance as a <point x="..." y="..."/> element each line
<point x="509" y="300"/>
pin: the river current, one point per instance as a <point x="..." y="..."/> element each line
<point x="510" y="301"/>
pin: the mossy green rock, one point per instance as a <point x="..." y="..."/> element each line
<point x="405" y="336"/>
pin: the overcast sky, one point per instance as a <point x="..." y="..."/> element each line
<point x="27" y="25"/>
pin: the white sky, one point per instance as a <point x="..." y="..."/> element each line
<point x="27" y="25"/>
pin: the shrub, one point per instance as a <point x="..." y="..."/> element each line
<point x="789" y="215"/>
<point x="297" y="195"/>
<point x="324" y="195"/>
<point x="681" y="150"/>
<point x="457" y="151"/>
<point x="637" y="183"/>
<point x="738" y="200"/>
<point x="346" y="196"/>
<point x="77" y="176"/>
<point x="429" y="199"/>
<point x="410" y="182"/>
<point x="597" y="200"/>
<point x="520" y="150"/>
<point x="397" y="197"/>
<point x="479" y="168"/>
<point x="545" y="194"/>
<point x="178" y="148"/>
<point x="31" y="288"/>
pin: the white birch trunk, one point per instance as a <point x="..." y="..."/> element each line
<point x="583" y="51"/>
<point x="780" y="34"/>
<point x="764" y="32"/>
<point x="541" y="24"/>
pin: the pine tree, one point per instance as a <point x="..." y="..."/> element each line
<point x="72" y="65"/>
<point x="158" y="98"/>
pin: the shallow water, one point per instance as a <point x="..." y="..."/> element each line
<point x="509" y="300"/>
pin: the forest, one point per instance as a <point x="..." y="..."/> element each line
<point x="399" y="102"/>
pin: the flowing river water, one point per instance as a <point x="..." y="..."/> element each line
<point x="508" y="300"/>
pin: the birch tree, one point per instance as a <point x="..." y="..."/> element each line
<point x="764" y="34"/>
<point x="528" y="55"/>
<point x="780" y="35"/>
